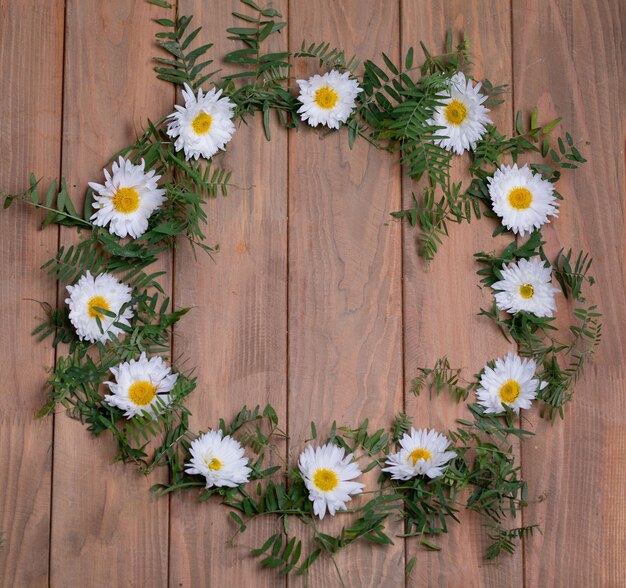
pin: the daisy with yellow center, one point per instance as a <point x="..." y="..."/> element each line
<point x="510" y="383"/>
<point x="325" y="479"/>
<point x="423" y="452"/>
<point x="127" y="199"/>
<point x="142" y="393"/>
<point x="141" y="387"/>
<point x="328" y="99"/>
<point x="455" y="112"/>
<point x="98" y="305"/>
<point x="526" y="286"/>
<point x="203" y="125"/>
<point x="220" y="459"/>
<point x="328" y="473"/>
<point x="522" y="198"/>
<point x="509" y="391"/>
<point x="526" y="291"/>
<point x="461" y="115"/>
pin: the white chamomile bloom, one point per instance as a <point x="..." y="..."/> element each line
<point x="204" y="125"/>
<point x="526" y="286"/>
<point x="141" y="386"/>
<point x="328" y="99"/>
<point x="521" y="198"/>
<point x="127" y="199"/>
<point x="461" y="114"/>
<point x="327" y="472"/>
<point x="219" y="459"/>
<point x="423" y="453"/>
<point x="511" y="383"/>
<point x="89" y="297"/>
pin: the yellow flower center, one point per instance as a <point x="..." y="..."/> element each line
<point x="455" y="112"/>
<point x="509" y="391"/>
<point x="215" y="464"/>
<point x="326" y="97"/>
<point x="526" y="291"/>
<point x="418" y="454"/>
<point x="142" y="393"/>
<point x="520" y="198"/>
<point x="325" y="479"/>
<point x="97" y="302"/>
<point x="202" y="123"/>
<point x="126" y="200"/>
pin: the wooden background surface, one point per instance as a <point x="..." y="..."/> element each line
<point x="317" y="303"/>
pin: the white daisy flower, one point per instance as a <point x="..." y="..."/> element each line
<point x="219" y="459"/>
<point x="526" y="286"/>
<point x="423" y="453"/>
<point x="127" y="199"/>
<point x="327" y="474"/>
<point x="141" y="386"/>
<point x="88" y="297"/>
<point x="511" y="383"/>
<point x="204" y="125"/>
<point x="522" y="199"/>
<point x="461" y="114"/>
<point x="328" y="99"/>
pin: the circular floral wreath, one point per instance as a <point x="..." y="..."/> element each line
<point x="117" y="320"/>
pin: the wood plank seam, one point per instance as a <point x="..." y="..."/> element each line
<point x="59" y="301"/>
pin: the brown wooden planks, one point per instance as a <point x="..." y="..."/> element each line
<point x="345" y="346"/>
<point x="31" y="54"/>
<point x="107" y="529"/>
<point x="442" y="298"/>
<point x="569" y="60"/>
<point x="345" y="339"/>
<point x="236" y="333"/>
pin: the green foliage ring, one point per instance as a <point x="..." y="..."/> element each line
<point x="394" y="112"/>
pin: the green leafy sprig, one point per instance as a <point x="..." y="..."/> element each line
<point x="560" y="362"/>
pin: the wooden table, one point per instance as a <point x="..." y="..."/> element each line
<point x="317" y="302"/>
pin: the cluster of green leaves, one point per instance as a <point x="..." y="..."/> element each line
<point x="398" y="108"/>
<point x="504" y="540"/>
<point x="189" y="186"/>
<point x="262" y="85"/>
<point x="76" y="381"/>
<point x="77" y="377"/>
<point x="485" y="462"/>
<point x="560" y="363"/>
<point x="442" y="377"/>
<point x="327" y="57"/>
<point x="394" y="109"/>
<point x="184" y="65"/>
<point x="99" y="251"/>
<point x="56" y="202"/>
<point x="446" y="202"/>
<point x="485" y="465"/>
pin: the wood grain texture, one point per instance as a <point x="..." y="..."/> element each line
<point x="107" y="529"/>
<point x="345" y="324"/>
<point x="442" y="298"/>
<point x="568" y="59"/>
<point x="236" y="333"/>
<point x="330" y="275"/>
<point x="31" y="53"/>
